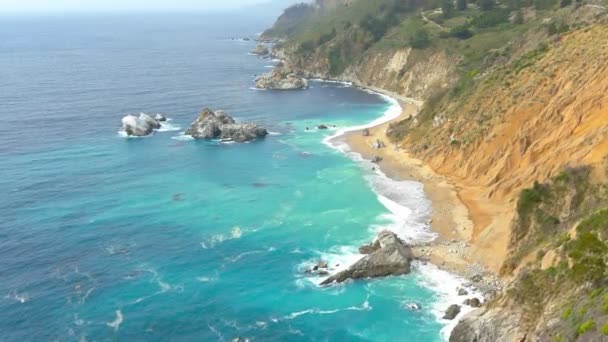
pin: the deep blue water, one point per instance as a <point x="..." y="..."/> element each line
<point x="160" y="238"/>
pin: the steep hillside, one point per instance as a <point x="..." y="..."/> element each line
<point x="515" y="116"/>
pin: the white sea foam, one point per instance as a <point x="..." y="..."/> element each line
<point x="316" y="311"/>
<point x="115" y="324"/>
<point x="338" y="259"/>
<point x="183" y="137"/>
<point x="19" y="297"/>
<point x="212" y="241"/>
<point x="445" y="285"/>
<point x="167" y="126"/>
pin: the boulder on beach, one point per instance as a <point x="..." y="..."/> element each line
<point x="393" y="257"/>
<point x="376" y="159"/>
<point x="139" y="126"/>
<point x="452" y="312"/>
<point x="281" y="79"/>
<point x="473" y="302"/>
<point x="220" y="125"/>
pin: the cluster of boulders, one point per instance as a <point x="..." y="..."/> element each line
<point x="386" y="255"/>
<point x="142" y="125"/>
<point x="320" y="268"/>
<point x="219" y="125"/>
<point x="281" y="78"/>
<point x="454" y="309"/>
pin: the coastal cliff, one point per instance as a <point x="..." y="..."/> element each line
<point x="514" y="118"/>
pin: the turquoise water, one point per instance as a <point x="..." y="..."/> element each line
<point x="161" y="238"/>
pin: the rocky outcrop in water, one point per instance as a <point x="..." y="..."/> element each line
<point x="452" y="312"/>
<point x="139" y="126"/>
<point x="281" y="79"/>
<point x="220" y="125"/>
<point x="392" y="257"/>
<point x="260" y="50"/>
<point x="160" y="118"/>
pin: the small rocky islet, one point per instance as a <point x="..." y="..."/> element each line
<point x="219" y="125"/>
<point x="281" y="78"/>
<point x="208" y="125"/>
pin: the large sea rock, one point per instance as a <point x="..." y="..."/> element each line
<point x="219" y="125"/>
<point x="139" y="126"/>
<point x="388" y="255"/>
<point x="281" y="79"/>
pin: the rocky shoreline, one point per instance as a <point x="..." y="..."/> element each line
<point x="451" y="250"/>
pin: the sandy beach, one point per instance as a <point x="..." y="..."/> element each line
<point x="450" y="219"/>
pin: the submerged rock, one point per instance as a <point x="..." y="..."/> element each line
<point x="462" y="292"/>
<point x="220" y="125"/>
<point x="413" y="306"/>
<point x="322" y="127"/>
<point x="392" y="258"/>
<point x="452" y="312"/>
<point x="281" y="79"/>
<point x="139" y="126"/>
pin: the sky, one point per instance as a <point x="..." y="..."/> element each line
<point x="25" y="6"/>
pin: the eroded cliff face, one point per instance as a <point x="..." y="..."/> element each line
<point x="522" y="123"/>
<point x="410" y="73"/>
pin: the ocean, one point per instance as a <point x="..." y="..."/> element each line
<point x="104" y="237"/>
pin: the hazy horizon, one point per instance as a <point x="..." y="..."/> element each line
<point x="99" y="6"/>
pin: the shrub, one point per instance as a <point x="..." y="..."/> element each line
<point x="567" y="313"/>
<point x="447" y="7"/>
<point x="420" y="39"/>
<point x="605" y="329"/>
<point x="461" y="32"/>
<point x="461" y="5"/>
<point x="544" y="4"/>
<point x="586" y="327"/>
<point x="491" y="19"/>
<point x="486" y="5"/>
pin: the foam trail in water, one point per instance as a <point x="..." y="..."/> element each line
<point x="183" y="137"/>
<point x="167" y="126"/>
<point x="115" y="324"/>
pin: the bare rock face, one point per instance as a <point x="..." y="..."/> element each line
<point x="139" y="126"/>
<point x="452" y="312"/>
<point x="220" y="125"/>
<point x="392" y="257"/>
<point x="496" y="325"/>
<point x="281" y="79"/>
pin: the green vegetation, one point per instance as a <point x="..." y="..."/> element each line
<point x="604" y="329"/>
<point x="420" y="39"/>
<point x="586" y="327"/>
